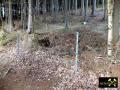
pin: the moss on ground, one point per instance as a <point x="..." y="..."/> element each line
<point x="7" y="37"/>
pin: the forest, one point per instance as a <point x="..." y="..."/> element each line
<point x="59" y="44"/>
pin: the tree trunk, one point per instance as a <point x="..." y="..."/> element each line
<point x="73" y="6"/>
<point x="56" y="10"/>
<point x="87" y="4"/>
<point x="52" y="6"/>
<point x="44" y="7"/>
<point x="29" y="30"/>
<point x="116" y="21"/>
<point x="69" y="5"/>
<point x="57" y="6"/>
<point x="10" y="16"/>
<point x="104" y="9"/>
<point x="110" y="26"/>
<point x="44" y="10"/>
<point x="76" y="3"/>
<point x="38" y="7"/>
<point x="86" y="10"/>
<point x="93" y="7"/>
<point x="2" y="16"/>
<point x="82" y="8"/>
<point x="66" y="14"/>
<point x="24" y="15"/>
<point x="103" y="6"/>
<point x="22" y="6"/>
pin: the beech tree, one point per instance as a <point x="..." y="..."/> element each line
<point x="110" y="26"/>
<point x="29" y="29"/>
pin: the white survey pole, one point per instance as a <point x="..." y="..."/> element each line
<point x="77" y="47"/>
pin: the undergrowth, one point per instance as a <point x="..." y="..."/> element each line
<point x="6" y="37"/>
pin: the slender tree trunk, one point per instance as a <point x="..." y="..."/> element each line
<point x="29" y="30"/>
<point x="63" y="3"/>
<point x="22" y="6"/>
<point x="93" y="7"/>
<point x="52" y="6"/>
<point x="2" y="11"/>
<point x="57" y="6"/>
<point x="66" y="14"/>
<point x="95" y="2"/>
<point x="24" y="15"/>
<point x="103" y="5"/>
<point x="82" y="8"/>
<point x="44" y="10"/>
<point x="44" y="6"/>
<point x="38" y="7"/>
<point x="110" y="26"/>
<point x="86" y="10"/>
<point x="10" y="16"/>
<point x="56" y="10"/>
<point x="104" y="9"/>
<point x="69" y="5"/>
<point x="6" y="13"/>
<point x="2" y="15"/>
<point x="87" y="4"/>
<point x="76" y="3"/>
<point x="73" y="6"/>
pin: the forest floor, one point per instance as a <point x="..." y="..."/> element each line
<point x="50" y="63"/>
